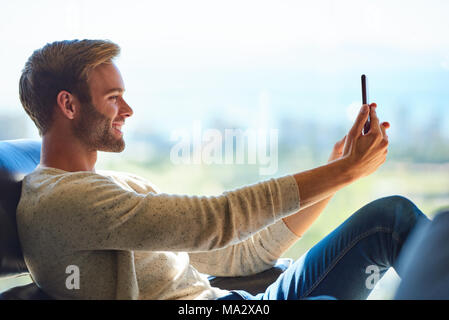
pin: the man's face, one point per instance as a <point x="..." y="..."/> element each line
<point x="99" y="123"/>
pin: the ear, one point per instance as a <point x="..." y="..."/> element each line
<point x="67" y="104"/>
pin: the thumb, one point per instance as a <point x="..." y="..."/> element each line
<point x="341" y="142"/>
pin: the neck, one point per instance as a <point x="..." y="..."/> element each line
<point x="66" y="153"/>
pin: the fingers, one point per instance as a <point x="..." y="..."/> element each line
<point x="373" y="118"/>
<point x="340" y="145"/>
<point x="383" y="127"/>
<point x="360" y="121"/>
<point x="337" y="151"/>
<point x="341" y="142"/>
<point x="386" y="124"/>
<point x="375" y="128"/>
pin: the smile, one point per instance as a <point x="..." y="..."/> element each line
<point x="118" y="128"/>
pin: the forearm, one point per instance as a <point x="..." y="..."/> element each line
<point x="256" y="254"/>
<point x="322" y="182"/>
<point x="301" y="221"/>
<point x="325" y="180"/>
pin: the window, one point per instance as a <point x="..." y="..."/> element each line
<point x="287" y="68"/>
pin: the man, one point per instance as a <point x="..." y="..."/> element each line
<point x="127" y="241"/>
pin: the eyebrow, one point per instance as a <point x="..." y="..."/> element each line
<point x="121" y="90"/>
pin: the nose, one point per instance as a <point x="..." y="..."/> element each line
<point x="125" y="109"/>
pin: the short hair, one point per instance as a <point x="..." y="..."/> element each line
<point x="61" y="65"/>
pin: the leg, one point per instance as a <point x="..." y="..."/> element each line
<point x="342" y="263"/>
<point x="425" y="262"/>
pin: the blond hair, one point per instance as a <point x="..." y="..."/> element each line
<point x="61" y="65"/>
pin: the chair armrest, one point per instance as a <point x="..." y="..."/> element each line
<point x="254" y="283"/>
<point x="26" y="292"/>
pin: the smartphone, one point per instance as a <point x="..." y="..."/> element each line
<point x="365" y="101"/>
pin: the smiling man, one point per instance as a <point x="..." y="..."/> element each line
<point x="78" y="132"/>
<point x="128" y="241"/>
<point x="106" y="112"/>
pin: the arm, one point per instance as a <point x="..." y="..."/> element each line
<point x="98" y="213"/>
<point x="299" y="222"/>
<point x="256" y="254"/>
<point x="101" y="215"/>
<point x="302" y="220"/>
<point x="364" y="154"/>
<point x="261" y="251"/>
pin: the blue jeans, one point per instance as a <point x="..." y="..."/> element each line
<point x="348" y="261"/>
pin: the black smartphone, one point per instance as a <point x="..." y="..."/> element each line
<point x="365" y="101"/>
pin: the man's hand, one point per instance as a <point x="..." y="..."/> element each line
<point x="337" y="152"/>
<point x="366" y="153"/>
<point x="362" y="155"/>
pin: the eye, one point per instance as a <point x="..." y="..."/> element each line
<point x="114" y="98"/>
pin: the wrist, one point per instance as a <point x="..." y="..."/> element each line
<point x="321" y="182"/>
<point x="347" y="169"/>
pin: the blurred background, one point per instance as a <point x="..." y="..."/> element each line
<point x="291" y="66"/>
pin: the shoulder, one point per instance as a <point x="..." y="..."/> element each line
<point x="54" y="184"/>
<point x="52" y="197"/>
<point x="137" y="183"/>
<point x="58" y="194"/>
<point x="50" y="178"/>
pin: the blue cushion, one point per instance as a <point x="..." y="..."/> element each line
<point x="17" y="158"/>
<point x="20" y="156"/>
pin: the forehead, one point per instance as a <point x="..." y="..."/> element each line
<point x="104" y="78"/>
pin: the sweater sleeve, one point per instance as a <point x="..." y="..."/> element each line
<point x="254" y="255"/>
<point x="94" y="212"/>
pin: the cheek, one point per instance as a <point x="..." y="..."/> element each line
<point x="113" y="110"/>
<point x="109" y="110"/>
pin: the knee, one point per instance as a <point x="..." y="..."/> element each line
<point x="401" y="210"/>
<point x="392" y="208"/>
<point x="399" y="205"/>
<point x="396" y="202"/>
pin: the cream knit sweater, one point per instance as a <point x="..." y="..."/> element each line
<point x="130" y="242"/>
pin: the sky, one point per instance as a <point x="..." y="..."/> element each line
<point x="225" y="57"/>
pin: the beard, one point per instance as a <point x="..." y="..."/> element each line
<point x="95" y="131"/>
